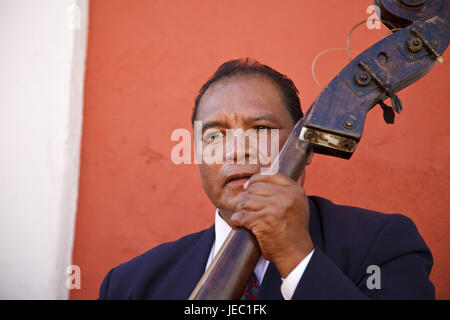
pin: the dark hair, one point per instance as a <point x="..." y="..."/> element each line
<point x="250" y="66"/>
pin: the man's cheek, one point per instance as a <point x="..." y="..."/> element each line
<point x="210" y="179"/>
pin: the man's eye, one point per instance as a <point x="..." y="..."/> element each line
<point x="261" y="127"/>
<point x="212" y="136"/>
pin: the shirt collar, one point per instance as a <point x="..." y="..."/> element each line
<point x="222" y="229"/>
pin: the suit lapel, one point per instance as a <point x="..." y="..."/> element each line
<point x="194" y="264"/>
<point x="271" y="284"/>
<point x="315" y="225"/>
<point x="188" y="270"/>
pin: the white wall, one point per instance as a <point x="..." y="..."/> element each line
<point x="42" y="58"/>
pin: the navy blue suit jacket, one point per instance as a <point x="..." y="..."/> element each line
<point x="347" y="240"/>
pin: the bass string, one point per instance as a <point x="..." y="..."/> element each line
<point x="347" y="47"/>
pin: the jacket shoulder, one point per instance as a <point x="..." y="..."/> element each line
<point x="164" y="250"/>
<point x="367" y="236"/>
<point x="130" y="279"/>
<point x="354" y="222"/>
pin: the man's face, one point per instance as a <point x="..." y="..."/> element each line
<point x="238" y="102"/>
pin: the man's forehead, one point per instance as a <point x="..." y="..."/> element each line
<point x="218" y="120"/>
<point x="253" y="85"/>
<point x="249" y="96"/>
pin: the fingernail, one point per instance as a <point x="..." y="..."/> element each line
<point x="246" y="185"/>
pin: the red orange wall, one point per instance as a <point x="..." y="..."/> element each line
<point x="146" y="61"/>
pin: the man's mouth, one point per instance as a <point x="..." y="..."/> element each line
<point x="238" y="178"/>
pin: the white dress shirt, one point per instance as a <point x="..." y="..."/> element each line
<point x="288" y="284"/>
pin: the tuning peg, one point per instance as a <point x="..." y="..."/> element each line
<point x="388" y="112"/>
<point x="396" y="103"/>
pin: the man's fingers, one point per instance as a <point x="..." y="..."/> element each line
<point x="238" y="218"/>
<point x="263" y="189"/>
<point x="279" y="179"/>
<point x="245" y="219"/>
<point x="252" y="202"/>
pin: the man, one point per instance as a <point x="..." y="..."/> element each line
<point x="311" y="248"/>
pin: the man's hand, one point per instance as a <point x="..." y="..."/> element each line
<point x="276" y="210"/>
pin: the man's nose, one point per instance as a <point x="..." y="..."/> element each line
<point x="239" y="147"/>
